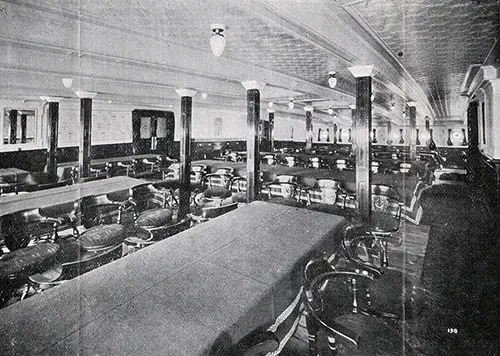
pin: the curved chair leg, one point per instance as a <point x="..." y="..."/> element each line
<point x="332" y="345"/>
<point x="312" y="331"/>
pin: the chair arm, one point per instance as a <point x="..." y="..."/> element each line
<point x="258" y="342"/>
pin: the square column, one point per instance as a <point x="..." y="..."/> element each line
<point x="253" y="151"/>
<point x="413" y="130"/>
<point x="185" y="151"/>
<point x="271" y="129"/>
<point x="13" y="126"/>
<point x="84" y="154"/>
<point x="363" y="126"/>
<point x="309" y="128"/>
<point x="53" y="123"/>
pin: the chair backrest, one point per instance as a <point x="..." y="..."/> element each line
<point x="375" y="167"/>
<point x="225" y="170"/>
<point x="198" y="168"/>
<point x="285" y="190"/>
<point x="291" y="161"/>
<point x="239" y="184"/>
<point x="213" y="212"/>
<point x="218" y="180"/>
<point x="269" y="159"/>
<point x="285" y="178"/>
<point x="384" y="200"/>
<point x="341" y="164"/>
<point x="404" y="167"/>
<point x="327" y="183"/>
<point x="163" y="232"/>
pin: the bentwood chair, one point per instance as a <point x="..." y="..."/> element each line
<point x="18" y="265"/>
<point x="336" y="303"/>
<point x="149" y="236"/>
<point x="21" y="228"/>
<point x="391" y="295"/>
<point x="324" y="191"/>
<point x="204" y="214"/>
<point x="98" y="210"/>
<point x="220" y="180"/>
<point x="153" y="208"/>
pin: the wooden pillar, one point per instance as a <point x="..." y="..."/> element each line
<point x="24" y="119"/>
<point x="154" y="133"/>
<point x="84" y="155"/>
<point x="185" y="151"/>
<point x="363" y="123"/>
<point x="136" y="132"/>
<point x="389" y="133"/>
<point x="353" y="126"/>
<point x="253" y="157"/>
<point x="271" y="129"/>
<point x="413" y="130"/>
<point x="309" y="128"/>
<point x="53" y="123"/>
<point x="473" y="128"/>
<point x="13" y="126"/>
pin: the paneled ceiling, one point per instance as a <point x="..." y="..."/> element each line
<point x="435" y="40"/>
<point x="141" y="50"/>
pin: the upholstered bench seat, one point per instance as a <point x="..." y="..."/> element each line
<point x="28" y="261"/>
<point x="102" y="236"/>
<point x="154" y="218"/>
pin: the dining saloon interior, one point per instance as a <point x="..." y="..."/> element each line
<point x="222" y="177"/>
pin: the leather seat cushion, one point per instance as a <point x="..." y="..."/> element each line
<point x="28" y="261"/>
<point x="154" y="218"/>
<point x="103" y="236"/>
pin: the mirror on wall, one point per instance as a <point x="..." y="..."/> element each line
<point x="19" y="126"/>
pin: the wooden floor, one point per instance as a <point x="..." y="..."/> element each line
<point x="407" y="258"/>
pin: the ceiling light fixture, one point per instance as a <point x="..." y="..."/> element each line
<point x="330" y="110"/>
<point x="332" y="79"/>
<point x="204" y="96"/>
<point x="271" y="104"/>
<point x="67" y="82"/>
<point x="217" y="40"/>
<point x="291" y="104"/>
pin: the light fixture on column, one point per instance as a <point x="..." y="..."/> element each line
<point x="67" y="82"/>
<point x="332" y="79"/>
<point x="372" y="98"/>
<point x="217" y="40"/>
<point x="330" y="110"/>
<point x="291" y="104"/>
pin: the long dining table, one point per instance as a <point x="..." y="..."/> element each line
<point x="194" y="293"/>
<point x="49" y="197"/>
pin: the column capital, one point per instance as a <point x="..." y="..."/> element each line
<point x="362" y="71"/>
<point x="51" y="99"/>
<point x="308" y="108"/>
<point x="182" y="92"/>
<point x="85" y="94"/>
<point x="253" y="84"/>
<point x="412" y="104"/>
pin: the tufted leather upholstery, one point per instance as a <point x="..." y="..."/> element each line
<point x="103" y="236"/>
<point x="154" y="218"/>
<point x="29" y="260"/>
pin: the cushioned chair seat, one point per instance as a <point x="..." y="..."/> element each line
<point x="29" y="260"/>
<point x="154" y="218"/>
<point x="103" y="236"/>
